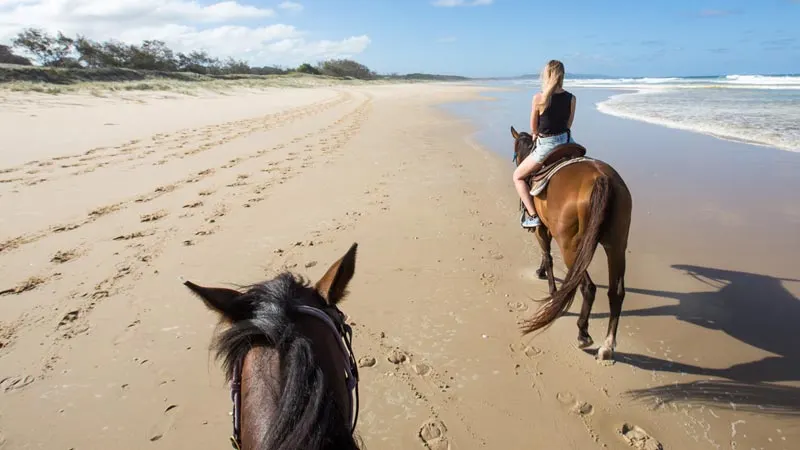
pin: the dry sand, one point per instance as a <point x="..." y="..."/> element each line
<point x="108" y="202"/>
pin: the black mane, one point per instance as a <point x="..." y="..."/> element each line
<point x="523" y="146"/>
<point x="306" y="415"/>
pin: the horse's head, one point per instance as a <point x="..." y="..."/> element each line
<point x="523" y="145"/>
<point x="287" y="354"/>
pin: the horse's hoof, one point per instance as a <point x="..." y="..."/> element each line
<point x="585" y="342"/>
<point x="605" y="354"/>
<point x="541" y="274"/>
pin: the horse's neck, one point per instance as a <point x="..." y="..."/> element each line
<point x="260" y="393"/>
<point x="329" y="357"/>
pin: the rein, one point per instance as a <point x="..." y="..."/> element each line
<point x="345" y="334"/>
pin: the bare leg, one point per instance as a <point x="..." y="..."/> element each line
<point x="588" y="290"/>
<point x="546" y="268"/>
<point x="521" y="173"/>
<point x="616" y="295"/>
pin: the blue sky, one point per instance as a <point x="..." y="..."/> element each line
<point x="615" y="37"/>
<point x="465" y="37"/>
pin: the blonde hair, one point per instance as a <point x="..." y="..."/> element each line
<point x="552" y="79"/>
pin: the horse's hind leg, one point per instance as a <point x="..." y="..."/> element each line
<point x="588" y="291"/>
<point x="545" y="271"/>
<point x="616" y="295"/>
<point x="544" y="238"/>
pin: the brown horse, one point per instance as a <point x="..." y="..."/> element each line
<point x="584" y="204"/>
<point x="287" y="354"/>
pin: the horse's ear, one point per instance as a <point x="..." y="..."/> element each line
<point x="333" y="285"/>
<point x="514" y="133"/>
<point x="220" y="300"/>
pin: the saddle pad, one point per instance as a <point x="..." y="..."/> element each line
<point x="538" y="188"/>
<point x="561" y="153"/>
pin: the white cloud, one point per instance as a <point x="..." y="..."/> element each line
<point x="299" y="50"/>
<point x="291" y="6"/>
<point x="225" y="28"/>
<point x="452" y="3"/>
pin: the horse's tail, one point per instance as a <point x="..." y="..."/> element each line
<point x="558" y="303"/>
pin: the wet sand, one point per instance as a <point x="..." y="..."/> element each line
<point x="101" y="345"/>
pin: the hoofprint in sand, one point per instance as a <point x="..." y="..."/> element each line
<point x="108" y="202"/>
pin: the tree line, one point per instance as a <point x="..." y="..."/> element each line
<point x="80" y="52"/>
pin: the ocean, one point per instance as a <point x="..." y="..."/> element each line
<point x="756" y="109"/>
<point x="708" y="190"/>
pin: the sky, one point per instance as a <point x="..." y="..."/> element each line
<point x="460" y="37"/>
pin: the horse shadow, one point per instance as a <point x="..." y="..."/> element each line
<point x="751" y="308"/>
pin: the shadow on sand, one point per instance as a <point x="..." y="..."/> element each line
<point x="754" y="309"/>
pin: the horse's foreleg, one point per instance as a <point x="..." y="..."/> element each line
<point x="616" y="295"/>
<point x="588" y="290"/>
<point x="545" y="271"/>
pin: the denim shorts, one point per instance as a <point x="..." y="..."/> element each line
<point x="546" y="145"/>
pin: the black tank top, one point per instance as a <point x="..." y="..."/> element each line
<point x="554" y="119"/>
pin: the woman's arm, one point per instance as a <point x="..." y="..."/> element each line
<point x="535" y="115"/>
<point x="571" y="112"/>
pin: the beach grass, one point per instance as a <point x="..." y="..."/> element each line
<point x="100" y="82"/>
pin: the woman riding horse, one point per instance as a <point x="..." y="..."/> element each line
<point x="552" y="112"/>
<point x="585" y="203"/>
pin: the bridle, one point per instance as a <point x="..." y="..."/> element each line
<point x="345" y="339"/>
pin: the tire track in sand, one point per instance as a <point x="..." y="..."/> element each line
<point x="336" y="140"/>
<point x="179" y="145"/>
<point x="149" y="243"/>
<point x="19" y="241"/>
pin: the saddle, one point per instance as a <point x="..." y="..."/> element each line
<point x="560" y="154"/>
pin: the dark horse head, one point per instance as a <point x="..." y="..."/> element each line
<point x="287" y="352"/>
<point x="523" y="145"/>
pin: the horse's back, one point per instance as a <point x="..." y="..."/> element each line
<point x="569" y="192"/>
<point x="586" y="172"/>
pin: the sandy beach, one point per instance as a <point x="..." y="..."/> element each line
<point x="110" y="202"/>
